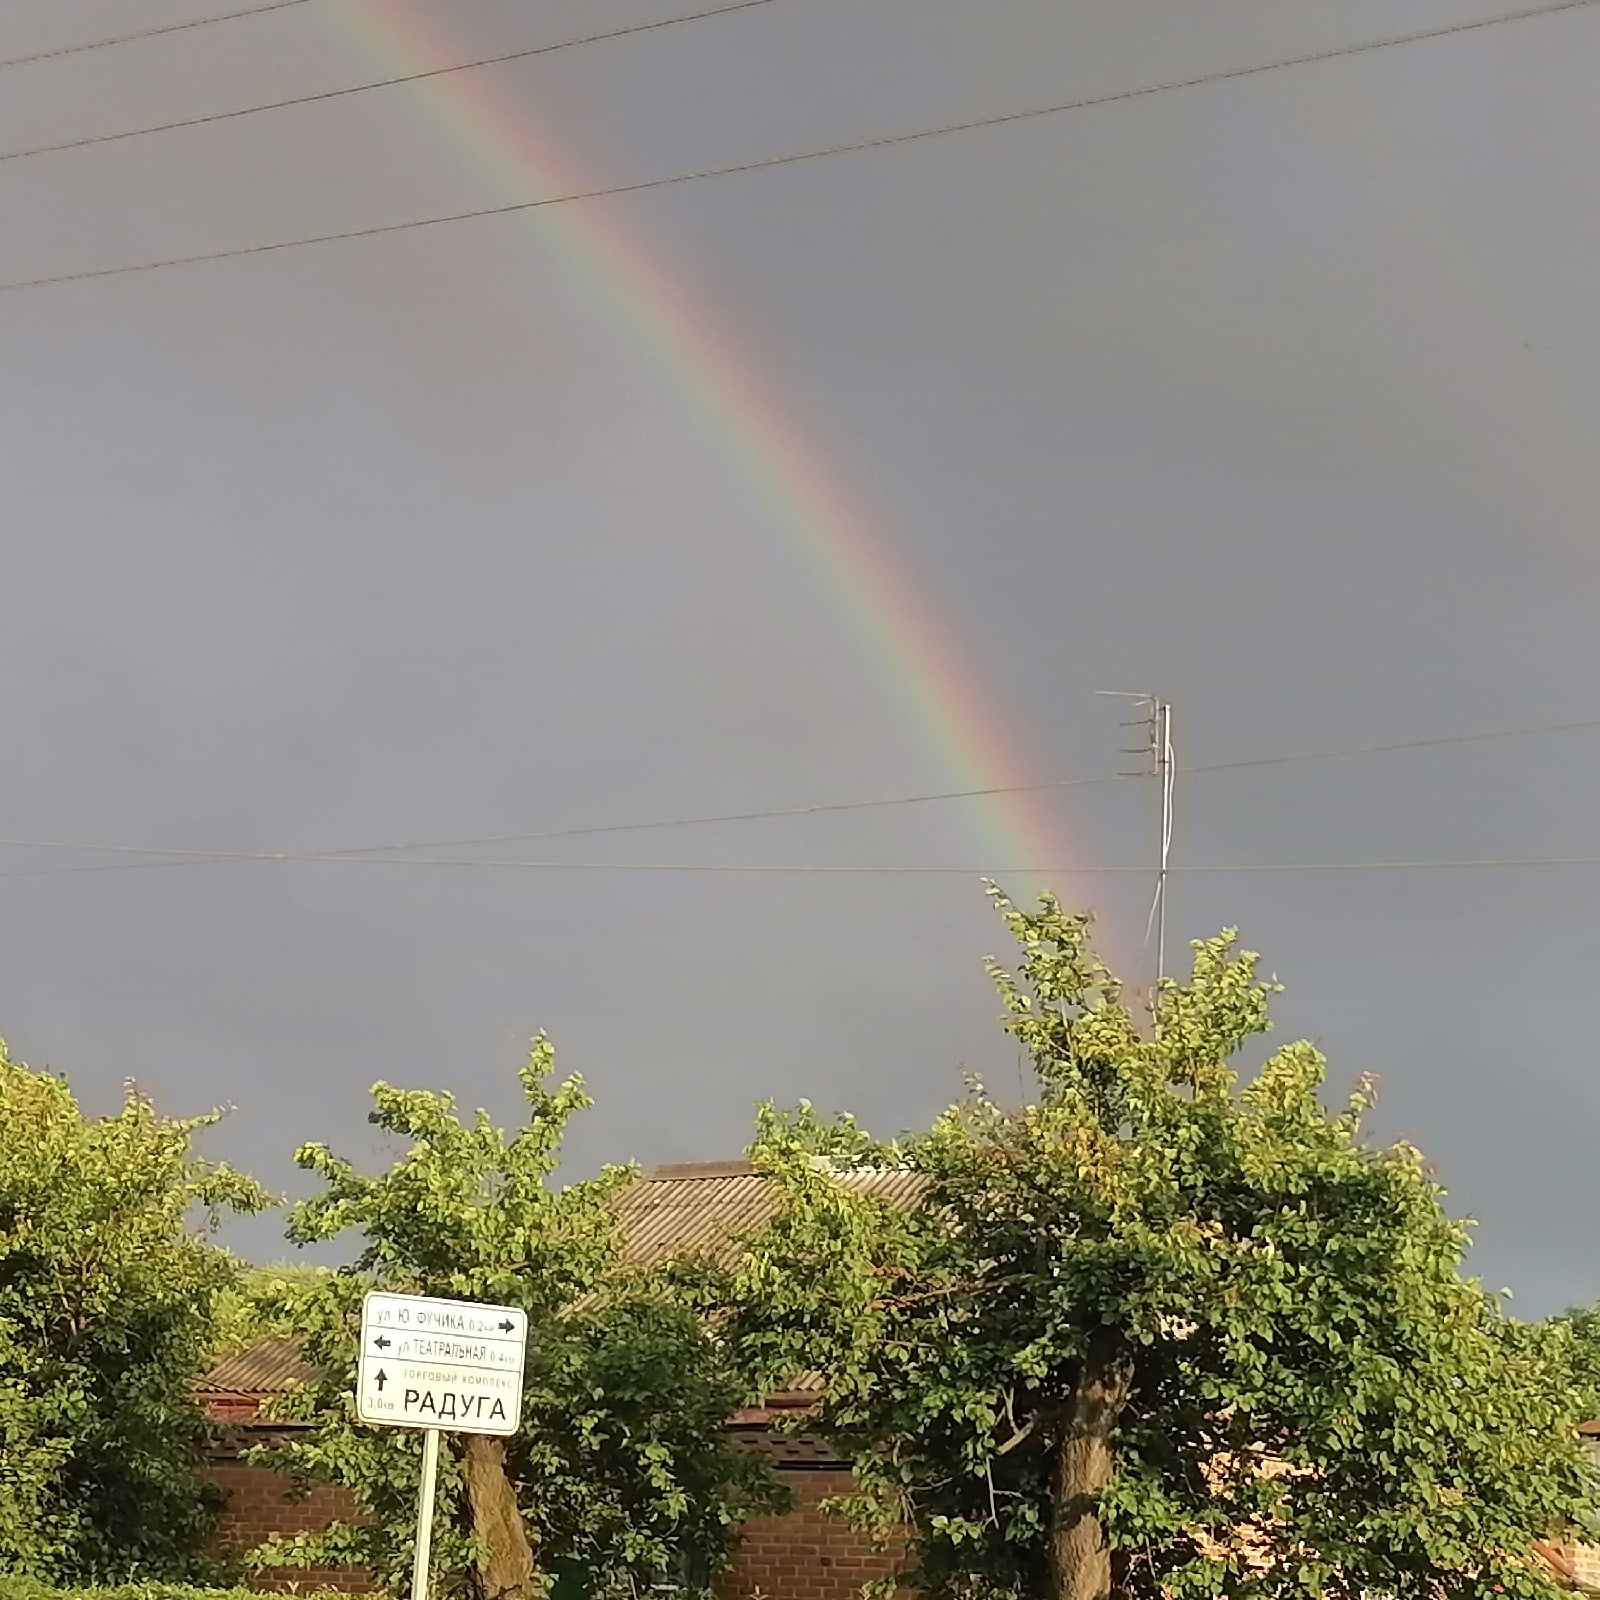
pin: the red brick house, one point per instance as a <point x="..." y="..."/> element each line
<point x="697" y="1207"/>
<point x="694" y="1207"/>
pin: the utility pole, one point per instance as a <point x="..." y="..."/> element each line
<point x="1167" y="770"/>
<point x="1157" y="750"/>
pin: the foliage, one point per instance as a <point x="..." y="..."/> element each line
<point x="1578" y="1334"/>
<point x="106" y="1297"/>
<point x="32" y="1589"/>
<point x="1582" y="1329"/>
<point x="621" y="1470"/>
<point x="1305" y="1395"/>
<point x="243" y="1313"/>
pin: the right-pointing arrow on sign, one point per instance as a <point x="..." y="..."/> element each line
<point x="508" y="1326"/>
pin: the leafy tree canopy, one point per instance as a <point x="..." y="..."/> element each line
<point x="244" y="1313"/>
<point x="1581" y="1326"/>
<point x="1161" y="1331"/>
<point x="106" y="1299"/>
<point x="621" y="1474"/>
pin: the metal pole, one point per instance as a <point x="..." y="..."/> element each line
<point x="430" y="1475"/>
<point x="1157" y="724"/>
<point x="1168" y="770"/>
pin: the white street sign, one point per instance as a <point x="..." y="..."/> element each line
<point x="451" y="1364"/>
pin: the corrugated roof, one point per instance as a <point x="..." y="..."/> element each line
<point x="688" y="1208"/>
<point x="270" y="1366"/>
<point x="702" y="1207"/>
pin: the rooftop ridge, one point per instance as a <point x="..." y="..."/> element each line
<point x="674" y="1170"/>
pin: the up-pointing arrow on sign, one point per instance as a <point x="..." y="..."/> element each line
<point x="381" y="1379"/>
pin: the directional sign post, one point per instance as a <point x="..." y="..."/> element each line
<point x="451" y="1365"/>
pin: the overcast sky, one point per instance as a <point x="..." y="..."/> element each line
<point x="1277" y="396"/>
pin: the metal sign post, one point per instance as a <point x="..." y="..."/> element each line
<point x="438" y="1366"/>
<point x="430" y="1478"/>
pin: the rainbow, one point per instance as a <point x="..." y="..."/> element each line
<point x="937" y="690"/>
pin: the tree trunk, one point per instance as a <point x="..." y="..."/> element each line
<point x="1080" y="1561"/>
<point x="506" y="1572"/>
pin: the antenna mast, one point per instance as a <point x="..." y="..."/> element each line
<point x="1167" y="770"/>
<point x="1157" y="750"/>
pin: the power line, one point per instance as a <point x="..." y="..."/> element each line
<point x="816" y="153"/>
<point x="706" y="819"/>
<point x="894" y="802"/>
<point x="895" y="869"/>
<point x="182" y="856"/>
<point x="584" y="831"/>
<point x="377" y="83"/>
<point x="1585" y="723"/>
<point x="147" y="33"/>
<point x="1448" y="864"/>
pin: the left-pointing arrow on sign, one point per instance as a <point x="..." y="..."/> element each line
<point x="381" y="1342"/>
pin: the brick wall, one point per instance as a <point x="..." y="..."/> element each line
<point x="804" y="1554"/>
<point x="257" y="1503"/>
<point x="1581" y="1563"/>
<point x="1586" y="1565"/>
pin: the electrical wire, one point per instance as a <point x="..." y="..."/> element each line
<point x="876" y="870"/>
<point x="189" y="856"/>
<point x="1581" y="724"/>
<point x="586" y="830"/>
<point x="147" y="33"/>
<point x="1445" y="864"/>
<point x="324" y="95"/>
<point x="884" y="141"/>
<point x="894" y="802"/>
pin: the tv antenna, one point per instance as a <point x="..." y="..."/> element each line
<point x="1156" y="753"/>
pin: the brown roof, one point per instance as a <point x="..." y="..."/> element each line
<point x="702" y="1207"/>
<point x="689" y="1208"/>
<point x="270" y="1366"/>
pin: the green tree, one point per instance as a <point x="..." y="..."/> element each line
<point x="106" y="1297"/>
<point x="1160" y="1332"/>
<point x="244" y="1314"/>
<point x="1581" y="1327"/>
<point x="621" y="1476"/>
<point x="1577" y="1332"/>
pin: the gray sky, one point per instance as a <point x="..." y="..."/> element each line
<point x="1278" y="396"/>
